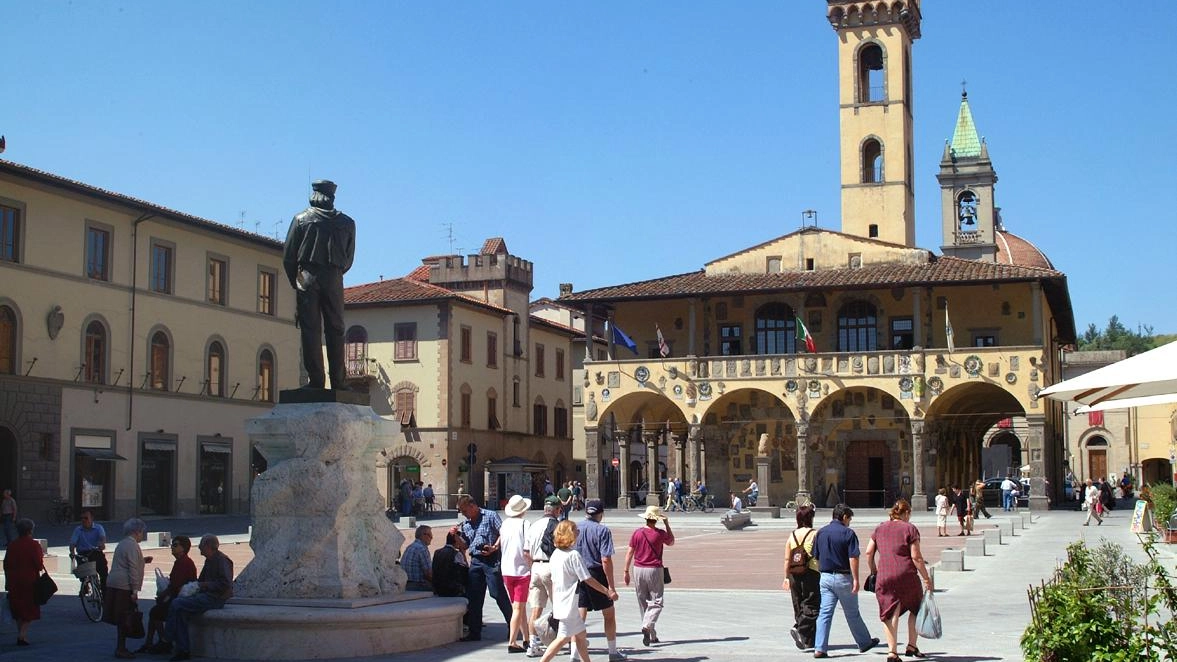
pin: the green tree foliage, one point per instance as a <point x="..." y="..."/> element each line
<point x="1118" y="336"/>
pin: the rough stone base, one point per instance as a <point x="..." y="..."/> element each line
<point x="770" y="512"/>
<point x="733" y="520"/>
<point x="257" y="632"/>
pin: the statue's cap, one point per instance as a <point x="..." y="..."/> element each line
<point x="324" y="186"/>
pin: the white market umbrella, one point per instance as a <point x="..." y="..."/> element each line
<point x="1148" y="378"/>
<point x="1126" y="403"/>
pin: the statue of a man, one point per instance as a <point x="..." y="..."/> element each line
<point x="319" y="250"/>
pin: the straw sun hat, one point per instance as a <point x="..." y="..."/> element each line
<point x="653" y="512"/>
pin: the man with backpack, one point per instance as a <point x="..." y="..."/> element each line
<point x="541" y="543"/>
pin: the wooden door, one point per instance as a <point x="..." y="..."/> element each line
<point x="1097" y="461"/>
<point x="866" y="471"/>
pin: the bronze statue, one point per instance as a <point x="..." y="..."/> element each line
<point x="319" y="250"/>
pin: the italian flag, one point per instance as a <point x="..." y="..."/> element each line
<point x="804" y="337"/>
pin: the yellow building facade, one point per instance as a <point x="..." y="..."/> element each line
<point x="135" y="341"/>
<point x="925" y="369"/>
<point x="481" y="388"/>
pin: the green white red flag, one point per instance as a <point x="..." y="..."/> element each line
<point x="804" y="337"/>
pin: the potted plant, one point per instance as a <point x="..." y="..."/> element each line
<point x="1164" y="503"/>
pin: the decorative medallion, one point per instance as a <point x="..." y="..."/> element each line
<point x="678" y="390"/>
<point x="791" y="385"/>
<point x="673" y="372"/>
<point x="1011" y="378"/>
<point x="54" y="322"/>
<point x="600" y="378"/>
<point x="605" y="394"/>
<point x="905" y="383"/>
<point x="936" y="384"/>
<point x="704" y="390"/>
<point x="641" y="374"/>
<point x="972" y="365"/>
<point x="814" y="385"/>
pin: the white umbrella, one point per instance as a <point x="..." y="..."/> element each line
<point x="1142" y="379"/>
<point x="1125" y="403"/>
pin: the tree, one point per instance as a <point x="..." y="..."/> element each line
<point x="1118" y="336"/>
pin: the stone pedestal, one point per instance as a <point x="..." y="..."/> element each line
<point x="324" y="581"/>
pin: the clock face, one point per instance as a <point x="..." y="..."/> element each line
<point x="642" y="373"/>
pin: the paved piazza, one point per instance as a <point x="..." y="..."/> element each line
<point x="725" y="602"/>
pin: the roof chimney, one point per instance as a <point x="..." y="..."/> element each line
<point x="565" y="289"/>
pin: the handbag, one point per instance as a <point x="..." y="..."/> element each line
<point x="869" y="585"/>
<point x="133" y="624"/>
<point x="44" y="588"/>
<point x="665" y="575"/>
<point x="927" y="620"/>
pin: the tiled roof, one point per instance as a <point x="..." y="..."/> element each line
<point x="1012" y="249"/>
<point x="403" y="290"/>
<point x="807" y="230"/>
<point x="494" y="246"/>
<point x="939" y="270"/>
<point x="142" y="205"/>
<point x="536" y="320"/>
<point x="420" y="274"/>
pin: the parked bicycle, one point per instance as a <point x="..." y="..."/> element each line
<point x="61" y="511"/>
<point x="91" y="589"/>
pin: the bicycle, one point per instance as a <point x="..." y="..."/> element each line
<point x="699" y="502"/>
<point x="61" y="511"/>
<point x="794" y="505"/>
<point x="91" y="589"/>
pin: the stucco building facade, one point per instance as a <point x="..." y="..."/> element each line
<point x="135" y="340"/>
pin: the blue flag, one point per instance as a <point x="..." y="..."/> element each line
<point x="619" y="338"/>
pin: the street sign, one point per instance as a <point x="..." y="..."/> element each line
<point x="616" y="462"/>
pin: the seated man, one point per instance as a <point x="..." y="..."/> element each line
<point x="451" y="571"/>
<point x="216" y="586"/>
<point x="415" y="561"/>
<point x="737" y="503"/>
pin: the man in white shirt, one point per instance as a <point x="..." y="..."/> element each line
<point x="737" y="503"/>
<point x="1007" y="497"/>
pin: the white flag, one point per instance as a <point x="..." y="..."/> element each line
<point x="948" y="330"/>
<point x="663" y="348"/>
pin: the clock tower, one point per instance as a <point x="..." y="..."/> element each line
<point x="875" y="109"/>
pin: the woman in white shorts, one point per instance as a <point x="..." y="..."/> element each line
<point x="568" y="570"/>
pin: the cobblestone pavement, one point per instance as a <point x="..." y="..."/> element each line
<point x="725" y="603"/>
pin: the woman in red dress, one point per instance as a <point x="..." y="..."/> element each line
<point x="22" y="566"/>
<point x="900" y="567"/>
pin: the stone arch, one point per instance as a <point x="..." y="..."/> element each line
<point x="403" y="450"/>
<point x="17" y="333"/>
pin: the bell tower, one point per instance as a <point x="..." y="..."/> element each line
<point x="874" y="100"/>
<point x="969" y="220"/>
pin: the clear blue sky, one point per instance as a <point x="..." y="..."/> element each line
<point x="608" y="142"/>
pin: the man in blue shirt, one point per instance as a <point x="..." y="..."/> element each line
<point x="595" y="544"/>
<point x="481" y="530"/>
<point x="89" y="541"/>
<point x="836" y="549"/>
<point x="416" y="563"/>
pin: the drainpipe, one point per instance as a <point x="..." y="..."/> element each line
<point x="134" y="290"/>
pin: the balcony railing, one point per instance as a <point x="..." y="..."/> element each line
<point x="361" y="368"/>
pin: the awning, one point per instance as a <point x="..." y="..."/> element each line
<point x="99" y="453"/>
<point x="216" y="448"/>
<point x="1151" y="375"/>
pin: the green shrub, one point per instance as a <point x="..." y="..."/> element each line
<point x="1164" y="502"/>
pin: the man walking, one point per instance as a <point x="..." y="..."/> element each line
<point x="216" y="586"/>
<point x="595" y="544"/>
<point x="1093" y="504"/>
<point x="836" y="549"/>
<point x="541" y="542"/>
<point x="481" y="529"/>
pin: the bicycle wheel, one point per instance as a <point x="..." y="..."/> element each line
<point x="91" y="598"/>
<point x="709" y="504"/>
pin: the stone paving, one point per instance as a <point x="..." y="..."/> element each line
<point x="725" y="602"/>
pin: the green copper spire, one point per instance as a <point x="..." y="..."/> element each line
<point x="965" y="143"/>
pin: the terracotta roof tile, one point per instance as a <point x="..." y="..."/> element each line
<point x="494" y="246"/>
<point x="420" y="274"/>
<point x="402" y="290"/>
<point x="939" y="270"/>
<point x="51" y="179"/>
<point x="1012" y="249"/>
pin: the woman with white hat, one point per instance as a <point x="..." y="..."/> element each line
<point x="645" y="555"/>
<point x="516" y="565"/>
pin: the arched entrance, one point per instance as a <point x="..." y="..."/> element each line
<point x="402" y="469"/>
<point x="1097" y="457"/>
<point x="8" y="460"/>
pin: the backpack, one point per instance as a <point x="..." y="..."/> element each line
<point x="798" y="557"/>
<point x="547" y="542"/>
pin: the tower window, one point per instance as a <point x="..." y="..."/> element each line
<point x="872" y="230"/>
<point x="872" y="162"/>
<point x="967" y="211"/>
<point x="871" y="82"/>
<point x="809" y="264"/>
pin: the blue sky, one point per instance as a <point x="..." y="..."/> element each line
<point x="608" y="142"/>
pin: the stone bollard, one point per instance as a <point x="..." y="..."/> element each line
<point x="1027" y="519"/>
<point x="992" y="537"/>
<point x="1016" y="522"/>
<point x="952" y="560"/>
<point x="974" y="546"/>
<point x="1005" y="526"/>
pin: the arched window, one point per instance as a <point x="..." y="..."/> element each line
<point x="966" y="211"/>
<point x="161" y="361"/>
<point x="856" y="327"/>
<point x="356" y="351"/>
<point x="871" y="81"/>
<point x="776" y="330"/>
<point x="265" y="376"/>
<point x="215" y="370"/>
<point x="872" y="161"/>
<point x="94" y="361"/>
<point x="7" y="341"/>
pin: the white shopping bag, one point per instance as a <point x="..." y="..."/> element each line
<point x="161" y="582"/>
<point x="927" y="621"/>
<point x="545" y="627"/>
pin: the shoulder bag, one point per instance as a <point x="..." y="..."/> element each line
<point x="44" y="588"/>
